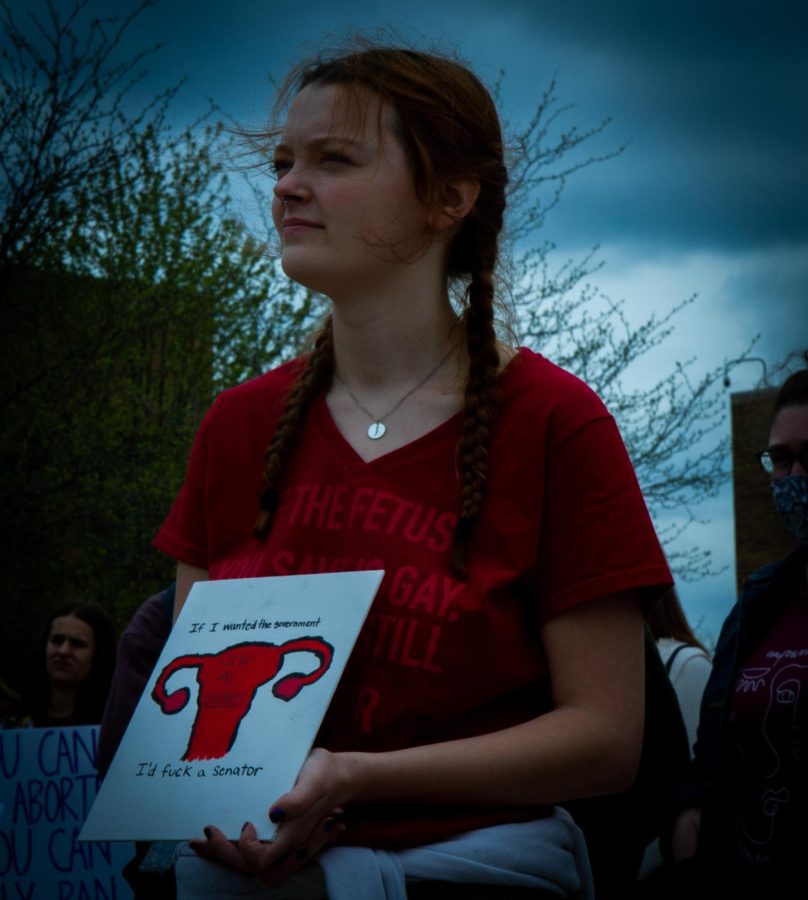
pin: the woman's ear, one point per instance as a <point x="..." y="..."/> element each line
<point x="455" y="201"/>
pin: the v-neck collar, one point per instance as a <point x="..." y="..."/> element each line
<point x="341" y="447"/>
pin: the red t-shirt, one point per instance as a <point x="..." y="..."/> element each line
<point x="563" y="522"/>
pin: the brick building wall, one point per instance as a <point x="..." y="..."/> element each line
<point x="759" y="536"/>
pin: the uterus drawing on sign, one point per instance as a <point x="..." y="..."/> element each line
<point x="228" y="683"/>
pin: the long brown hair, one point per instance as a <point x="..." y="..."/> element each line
<point x="667" y="619"/>
<point x="449" y="127"/>
<point x="92" y="693"/>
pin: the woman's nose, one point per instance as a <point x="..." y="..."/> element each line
<point x="290" y="186"/>
<point x="797" y="468"/>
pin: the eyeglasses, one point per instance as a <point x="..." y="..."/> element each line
<point x="779" y="461"/>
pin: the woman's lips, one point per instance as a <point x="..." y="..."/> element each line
<point x="294" y="224"/>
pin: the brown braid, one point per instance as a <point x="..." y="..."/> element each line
<point x="315" y="376"/>
<point x="478" y="241"/>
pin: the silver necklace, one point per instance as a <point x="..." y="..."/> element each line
<point x="377" y="428"/>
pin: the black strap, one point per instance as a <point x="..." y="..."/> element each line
<point x="672" y="657"/>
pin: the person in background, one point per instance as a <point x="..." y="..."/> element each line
<point x="741" y="813"/>
<point x="72" y="670"/>
<point x="416" y="439"/>
<point x="150" y="872"/>
<point x="688" y="665"/>
<point x="687" y="660"/>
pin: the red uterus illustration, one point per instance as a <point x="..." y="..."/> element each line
<point x="228" y="682"/>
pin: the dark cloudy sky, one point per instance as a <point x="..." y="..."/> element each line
<point x="709" y="98"/>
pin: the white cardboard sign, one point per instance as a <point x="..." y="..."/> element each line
<point x="232" y="707"/>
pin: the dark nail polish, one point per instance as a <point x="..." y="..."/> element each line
<point x="244" y="826"/>
<point x="329" y="824"/>
<point x="302" y="853"/>
<point x="207" y="832"/>
<point x="276" y="814"/>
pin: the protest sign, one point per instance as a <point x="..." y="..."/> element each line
<point x="232" y="707"/>
<point x="48" y="783"/>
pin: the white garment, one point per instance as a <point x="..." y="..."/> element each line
<point x="547" y="853"/>
<point x="689" y="673"/>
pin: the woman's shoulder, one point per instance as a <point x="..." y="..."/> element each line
<point x="684" y="652"/>
<point x="16" y="717"/>
<point x="533" y="385"/>
<point x="265" y="392"/>
<point x="277" y="380"/>
<point x="531" y="370"/>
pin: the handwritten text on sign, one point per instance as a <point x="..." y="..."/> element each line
<point x="48" y="782"/>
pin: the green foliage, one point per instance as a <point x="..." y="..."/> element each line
<point x="130" y="294"/>
<point x="63" y="89"/>
<point x="128" y="300"/>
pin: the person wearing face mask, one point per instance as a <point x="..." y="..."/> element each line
<point x="740" y="823"/>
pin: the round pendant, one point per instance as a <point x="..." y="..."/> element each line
<point x="376" y="431"/>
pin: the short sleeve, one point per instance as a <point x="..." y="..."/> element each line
<point x="597" y="537"/>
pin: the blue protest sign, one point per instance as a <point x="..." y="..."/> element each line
<point x="48" y="783"/>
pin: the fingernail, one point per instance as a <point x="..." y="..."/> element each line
<point x="244" y="826"/>
<point x="329" y="824"/>
<point x="207" y="832"/>
<point x="302" y="853"/>
<point x="276" y="814"/>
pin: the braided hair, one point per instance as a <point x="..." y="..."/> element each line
<point x="448" y="125"/>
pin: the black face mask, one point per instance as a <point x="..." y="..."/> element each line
<point x="790" y="495"/>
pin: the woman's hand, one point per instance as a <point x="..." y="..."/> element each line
<point x="263" y="860"/>
<point x="686" y="834"/>
<point x="309" y="820"/>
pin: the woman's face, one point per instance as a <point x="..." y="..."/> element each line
<point x="345" y="204"/>
<point x="69" y="651"/>
<point x="788" y="436"/>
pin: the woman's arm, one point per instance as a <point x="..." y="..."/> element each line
<point x="186" y="576"/>
<point x="588" y="744"/>
<point x="685" y="835"/>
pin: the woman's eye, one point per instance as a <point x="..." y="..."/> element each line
<point x="334" y="157"/>
<point x="280" y="167"/>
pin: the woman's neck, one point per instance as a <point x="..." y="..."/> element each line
<point x="391" y="345"/>
<point x="382" y="338"/>
<point x="62" y="702"/>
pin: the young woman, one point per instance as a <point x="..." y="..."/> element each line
<point x="744" y="805"/>
<point x="501" y="667"/>
<point x="73" y="670"/>
<point x="688" y="664"/>
<point x="685" y="657"/>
